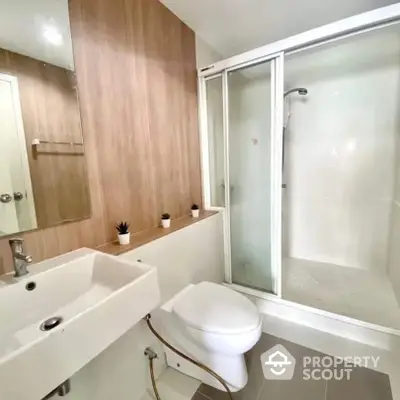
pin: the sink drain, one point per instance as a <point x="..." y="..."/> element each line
<point x="50" y="323"/>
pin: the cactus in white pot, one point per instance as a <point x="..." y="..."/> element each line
<point x="195" y="211"/>
<point x="123" y="233"/>
<point x="165" y="220"/>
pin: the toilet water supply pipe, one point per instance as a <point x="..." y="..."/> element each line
<point x="184" y="356"/>
<point x="152" y="355"/>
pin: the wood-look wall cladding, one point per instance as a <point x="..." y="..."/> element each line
<point x="136" y="73"/>
<point x="50" y="112"/>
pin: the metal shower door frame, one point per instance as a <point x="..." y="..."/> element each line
<point x="276" y="62"/>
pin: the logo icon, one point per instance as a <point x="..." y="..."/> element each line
<point x="277" y="363"/>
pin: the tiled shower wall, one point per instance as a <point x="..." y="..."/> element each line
<point x="394" y="243"/>
<point x="340" y="150"/>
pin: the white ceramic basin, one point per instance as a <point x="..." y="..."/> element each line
<point x="99" y="297"/>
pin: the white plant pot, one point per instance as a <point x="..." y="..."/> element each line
<point x="195" y="213"/>
<point x="124" y="239"/>
<point x="166" y="223"/>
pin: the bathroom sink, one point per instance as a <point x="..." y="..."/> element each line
<point x="64" y="313"/>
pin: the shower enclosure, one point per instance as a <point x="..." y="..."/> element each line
<point x="301" y="153"/>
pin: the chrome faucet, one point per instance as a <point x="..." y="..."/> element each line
<point x="20" y="259"/>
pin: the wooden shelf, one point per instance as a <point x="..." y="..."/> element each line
<point x="141" y="238"/>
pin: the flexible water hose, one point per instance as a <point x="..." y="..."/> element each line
<point x="184" y="356"/>
<point x="153" y="380"/>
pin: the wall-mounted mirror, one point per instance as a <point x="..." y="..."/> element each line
<point x="43" y="177"/>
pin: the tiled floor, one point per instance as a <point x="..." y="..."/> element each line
<point x="172" y="385"/>
<point x="364" y="383"/>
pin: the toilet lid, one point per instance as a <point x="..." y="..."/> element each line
<point x="214" y="308"/>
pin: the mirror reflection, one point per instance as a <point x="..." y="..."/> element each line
<point x="43" y="179"/>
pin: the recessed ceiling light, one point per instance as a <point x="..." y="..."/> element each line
<point x="52" y="35"/>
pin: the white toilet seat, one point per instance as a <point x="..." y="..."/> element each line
<point x="216" y="309"/>
<point x="233" y="344"/>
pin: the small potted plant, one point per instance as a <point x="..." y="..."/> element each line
<point x="123" y="233"/>
<point x="165" y="220"/>
<point x="195" y="211"/>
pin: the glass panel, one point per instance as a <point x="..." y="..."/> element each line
<point x="216" y="141"/>
<point x="249" y="175"/>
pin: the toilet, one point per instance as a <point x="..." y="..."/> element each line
<point x="214" y="325"/>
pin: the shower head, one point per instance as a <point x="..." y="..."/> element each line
<point x="301" y="91"/>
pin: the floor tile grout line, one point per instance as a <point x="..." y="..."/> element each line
<point x="326" y="390"/>
<point x="260" y="391"/>
<point x="197" y="390"/>
<point x="204" y="395"/>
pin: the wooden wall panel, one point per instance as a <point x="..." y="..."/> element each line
<point x="50" y="112"/>
<point x="136" y="72"/>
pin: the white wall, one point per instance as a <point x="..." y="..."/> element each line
<point x="394" y="252"/>
<point x="190" y="255"/>
<point x="205" y="54"/>
<point x="340" y="150"/>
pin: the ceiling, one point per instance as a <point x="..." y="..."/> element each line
<point x="234" y="26"/>
<point x="38" y="29"/>
<point x="229" y="26"/>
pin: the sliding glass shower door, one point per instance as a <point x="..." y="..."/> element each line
<point x="242" y="112"/>
<point x="254" y="190"/>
